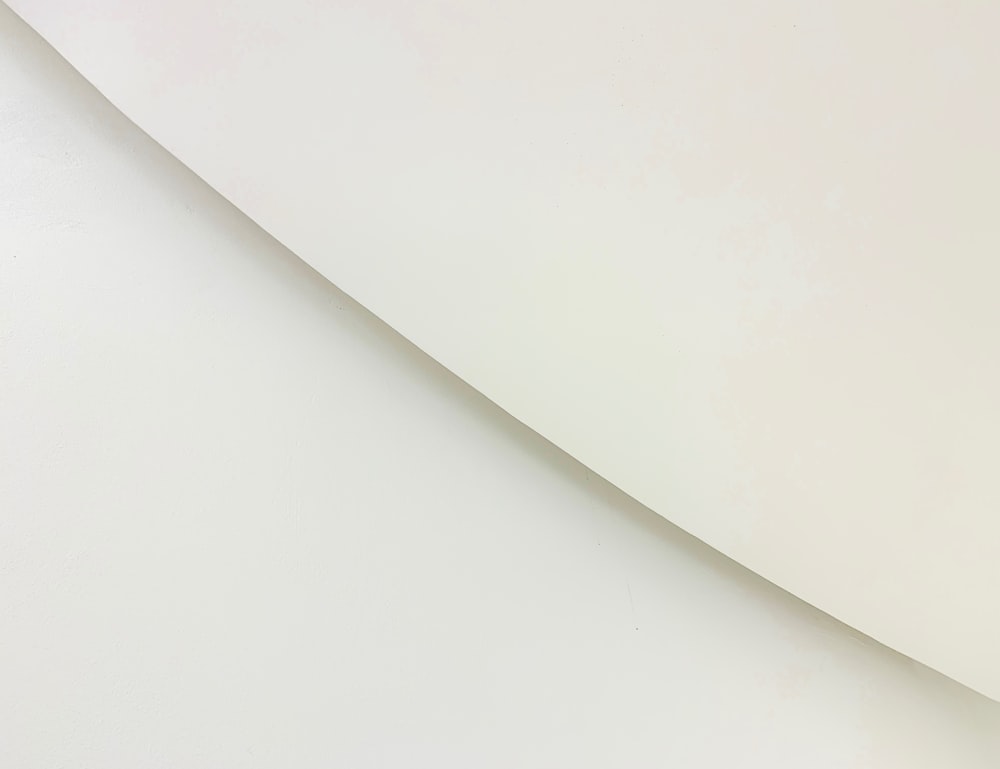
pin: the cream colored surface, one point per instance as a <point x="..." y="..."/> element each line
<point x="245" y="524"/>
<point x="740" y="259"/>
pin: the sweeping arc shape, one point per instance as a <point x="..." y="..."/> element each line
<point x="741" y="261"/>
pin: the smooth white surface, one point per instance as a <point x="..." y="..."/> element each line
<point x="245" y="524"/>
<point x="740" y="259"/>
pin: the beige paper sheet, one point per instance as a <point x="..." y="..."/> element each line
<point x="740" y="259"/>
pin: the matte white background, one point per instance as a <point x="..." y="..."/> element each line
<point x="738" y="258"/>
<point x="243" y="523"/>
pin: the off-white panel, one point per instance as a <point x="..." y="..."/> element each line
<point x="738" y="258"/>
